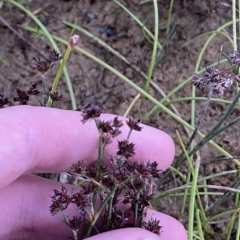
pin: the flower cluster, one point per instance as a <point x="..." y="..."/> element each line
<point x="91" y="110"/>
<point x="235" y="58"/>
<point x="218" y="80"/>
<point x="3" y="101"/>
<point x="62" y="199"/>
<point x="121" y="181"/>
<point x="42" y="66"/>
<point x="56" y="96"/>
<point x="24" y="96"/>
<point x="152" y="225"/>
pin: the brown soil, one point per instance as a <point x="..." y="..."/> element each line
<point x="90" y="80"/>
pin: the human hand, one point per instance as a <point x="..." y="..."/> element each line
<point x="37" y="139"/>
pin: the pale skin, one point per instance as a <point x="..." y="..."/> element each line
<point x="37" y="139"/>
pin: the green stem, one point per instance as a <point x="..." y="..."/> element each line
<point x="220" y="215"/>
<point x="154" y="53"/>
<point x="100" y="150"/>
<point x="109" y="218"/>
<point x="136" y="211"/>
<point x="199" y="225"/>
<point x="180" y="100"/>
<point x="59" y="73"/>
<point x="200" y="193"/>
<point x="169" y="18"/>
<point x="44" y="89"/>
<point x="98" y="213"/>
<point x="234" y="25"/>
<point x="181" y="175"/>
<point x="238" y="227"/>
<point x="195" y="178"/>
<point x="129" y="134"/>
<point x="173" y="190"/>
<point x="155" y="44"/>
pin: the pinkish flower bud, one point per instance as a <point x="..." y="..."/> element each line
<point x="73" y="41"/>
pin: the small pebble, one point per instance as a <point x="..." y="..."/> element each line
<point x="109" y="31"/>
<point x="91" y="15"/>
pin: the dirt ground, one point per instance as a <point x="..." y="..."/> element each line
<point x="89" y="79"/>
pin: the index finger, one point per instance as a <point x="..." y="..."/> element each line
<point x="39" y="139"/>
